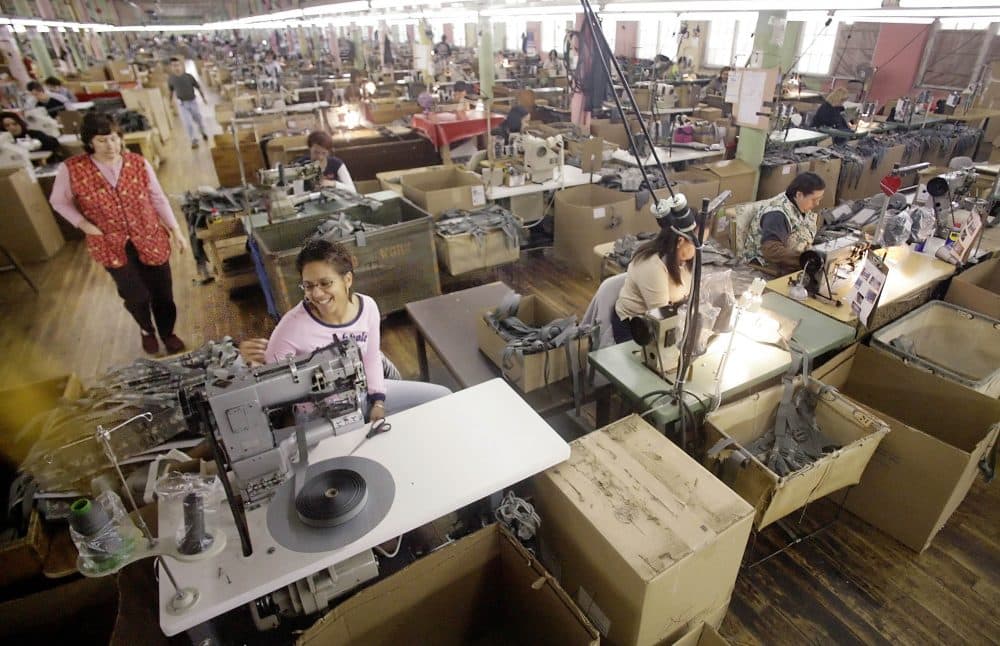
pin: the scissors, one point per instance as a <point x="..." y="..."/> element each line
<point x="377" y="428"/>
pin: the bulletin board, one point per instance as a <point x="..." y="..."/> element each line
<point x="749" y="90"/>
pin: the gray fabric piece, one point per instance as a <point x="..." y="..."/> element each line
<point x="340" y="227"/>
<point x="479" y="222"/>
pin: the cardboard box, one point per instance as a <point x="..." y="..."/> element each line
<point x="978" y="289"/>
<point x="736" y="176"/>
<point x="924" y="468"/>
<point x="703" y="635"/>
<point x="644" y="538"/>
<point x="775" y="179"/>
<point x="392" y="180"/>
<point x="958" y="344"/>
<point x="21" y="404"/>
<point x="80" y="612"/>
<point x="588" y="215"/>
<point x="28" y="227"/>
<point x="829" y="170"/>
<point x="872" y="182"/>
<point x="436" y="191"/>
<point x="707" y="113"/>
<point x="526" y="372"/>
<point x="613" y="132"/>
<point x="842" y="422"/>
<point x="460" y="254"/>
<point x="23" y="558"/>
<point x="483" y="589"/>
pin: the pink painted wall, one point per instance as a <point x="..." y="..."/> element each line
<point x="626" y="38"/>
<point x="897" y="77"/>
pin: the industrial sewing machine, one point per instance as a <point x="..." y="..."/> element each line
<point x="329" y="503"/>
<point x="666" y="98"/>
<point x="288" y="186"/>
<point x="14" y="154"/>
<point x="825" y="264"/>
<point x="542" y="157"/>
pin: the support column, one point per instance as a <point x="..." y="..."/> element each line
<point x="486" y="69"/>
<point x="750" y="149"/>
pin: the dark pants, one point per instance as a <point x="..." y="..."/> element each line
<point x="620" y="329"/>
<point x="145" y="289"/>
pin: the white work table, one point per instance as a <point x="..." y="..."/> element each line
<point x="797" y="136"/>
<point x="570" y="176"/>
<point x="676" y="155"/>
<point x="442" y="456"/>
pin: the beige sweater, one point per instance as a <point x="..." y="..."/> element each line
<point x="649" y="286"/>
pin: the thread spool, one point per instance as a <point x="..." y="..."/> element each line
<point x="195" y="540"/>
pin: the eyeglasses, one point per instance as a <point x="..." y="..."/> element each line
<point x="322" y="284"/>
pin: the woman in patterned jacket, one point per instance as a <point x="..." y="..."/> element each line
<point x="113" y="196"/>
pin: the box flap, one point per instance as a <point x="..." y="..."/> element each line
<point x="653" y="502"/>
<point x="730" y="168"/>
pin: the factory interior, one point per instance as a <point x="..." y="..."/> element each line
<point x="497" y="322"/>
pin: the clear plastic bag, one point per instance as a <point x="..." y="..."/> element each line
<point x="190" y="503"/>
<point x="923" y="224"/>
<point x="103" y="533"/>
<point x="896" y="227"/>
<point x="716" y="310"/>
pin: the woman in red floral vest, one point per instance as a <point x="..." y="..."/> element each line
<point x="113" y="196"/>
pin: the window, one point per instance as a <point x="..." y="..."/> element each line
<point x="514" y="30"/>
<point x="649" y="33"/>
<point x="816" y="46"/>
<point x="953" y="55"/>
<point x="719" y="49"/>
<point x="730" y="42"/>
<point x="457" y="35"/>
<point x="669" y="37"/>
<point x="855" y="47"/>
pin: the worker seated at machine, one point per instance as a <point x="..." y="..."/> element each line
<point x="321" y="150"/>
<point x="330" y="308"/>
<point x="659" y="275"/>
<point x="717" y="86"/>
<point x="785" y="226"/>
<point x="831" y="113"/>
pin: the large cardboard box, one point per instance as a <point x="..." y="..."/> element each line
<point x="483" y="589"/>
<point x="613" y="131"/>
<point x="23" y="558"/>
<point x="644" y="538"/>
<point x="775" y="179"/>
<point x="436" y="191"/>
<point x="829" y="170"/>
<point x="736" y="176"/>
<point x="948" y="340"/>
<point x="855" y="432"/>
<point x="28" y="227"/>
<point x="924" y="468"/>
<point x="871" y="182"/>
<point x="460" y="254"/>
<point x="978" y="289"/>
<point x="588" y="215"/>
<point x="526" y="372"/>
<point x="703" y="635"/>
<point x="392" y="180"/>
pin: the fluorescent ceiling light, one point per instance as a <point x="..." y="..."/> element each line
<point x="907" y="4"/>
<point x="342" y="7"/>
<point x="742" y="16"/>
<point x="533" y="11"/>
<point x="739" y="5"/>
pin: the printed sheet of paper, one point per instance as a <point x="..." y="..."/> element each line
<point x="867" y="289"/>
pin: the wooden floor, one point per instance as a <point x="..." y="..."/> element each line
<point x="851" y="584"/>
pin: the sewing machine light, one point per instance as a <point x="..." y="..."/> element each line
<point x="352" y="119"/>
<point x="674" y="212"/>
<point x="370" y="88"/>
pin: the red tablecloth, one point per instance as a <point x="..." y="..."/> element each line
<point x="455" y="126"/>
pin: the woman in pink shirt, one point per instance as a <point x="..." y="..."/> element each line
<point x="113" y="196"/>
<point x="330" y="308"/>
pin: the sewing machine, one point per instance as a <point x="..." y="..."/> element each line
<point x="666" y="98"/>
<point x="658" y="335"/>
<point x="287" y="186"/>
<point x="14" y="154"/>
<point x="242" y="412"/>
<point x="39" y="119"/>
<point x="824" y="264"/>
<point x="542" y="157"/>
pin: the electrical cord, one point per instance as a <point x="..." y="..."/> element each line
<point x="394" y="553"/>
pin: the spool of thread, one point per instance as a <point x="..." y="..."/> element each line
<point x="93" y="522"/>
<point x="196" y="540"/>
